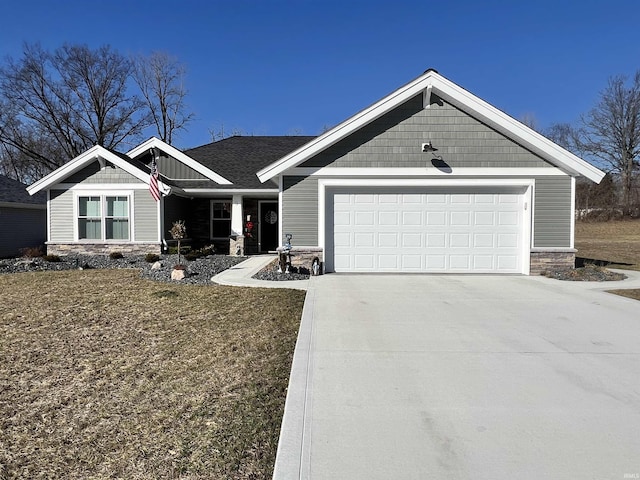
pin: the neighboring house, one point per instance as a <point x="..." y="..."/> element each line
<point x="428" y="179"/>
<point x="23" y="218"/>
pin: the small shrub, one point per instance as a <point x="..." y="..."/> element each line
<point x="115" y="255"/>
<point x="32" y="252"/>
<point x="151" y="257"/>
<point x="183" y="250"/>
<point x="208" y="250"/>
<point x="193" y="255"/>
<point x="52" y="258"/>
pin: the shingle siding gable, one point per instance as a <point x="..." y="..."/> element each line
<point x="395" y="139"/>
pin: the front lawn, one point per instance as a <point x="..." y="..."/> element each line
<point x="106" y="375"/>
<point x="616" y="242"/>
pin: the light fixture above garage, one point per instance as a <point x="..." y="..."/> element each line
<point x="428" y="147"/>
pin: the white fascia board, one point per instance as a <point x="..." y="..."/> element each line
<point x="347" y="127"/>
<point x="514" y="129"/>
<point x="425" y="182"/>
<point x="230" y="191"/>
<point x="430" y="83"/>
<point x="178" y="155"/>
<point x="86" y="158"/>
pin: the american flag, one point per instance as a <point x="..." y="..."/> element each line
<point x="153" y="179"/>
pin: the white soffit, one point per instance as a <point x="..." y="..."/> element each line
<point x="178" y="155"/>
<point x="433" y="83"/>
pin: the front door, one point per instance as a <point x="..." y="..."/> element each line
<point x="268" y="226"/>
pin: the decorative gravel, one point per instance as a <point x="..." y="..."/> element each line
<point x="270" y="272"/>
<point x="588" y="273"/>
<point x="199" y="271"/>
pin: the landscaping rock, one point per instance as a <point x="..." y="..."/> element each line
<point x="178" y="274"/>
<point x="588" y="273"/>
<point x="200" y="270"/>
<point x="270" y="273"/>
<point x="157" y="265"/>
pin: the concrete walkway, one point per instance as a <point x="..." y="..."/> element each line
<point x="240" y="275"/>
<point x="483" y="377"/>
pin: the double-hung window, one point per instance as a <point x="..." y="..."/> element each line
<point x="220" y="219"/>
<point x="103" y="217"/>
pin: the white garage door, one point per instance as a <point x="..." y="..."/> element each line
<point x="400" y="231"/>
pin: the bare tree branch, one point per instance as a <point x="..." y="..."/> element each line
<point x="160" y="78"/>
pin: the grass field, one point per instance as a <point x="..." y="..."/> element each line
<point x="616" y="242"/>
<point x="106" y="375"/>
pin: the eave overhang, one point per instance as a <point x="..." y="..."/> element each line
<point x="433" y="83"/>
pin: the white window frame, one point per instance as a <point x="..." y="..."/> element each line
<point x="102" y="194"/>
<point x="212" y="220"/>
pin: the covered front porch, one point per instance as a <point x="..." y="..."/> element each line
<point x="236" y="224"/>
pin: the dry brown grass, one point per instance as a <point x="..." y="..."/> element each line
<point x="106" y="375"/>
<point x="630" y="293"/>
<point x="617" y="242"/>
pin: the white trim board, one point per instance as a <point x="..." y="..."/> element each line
<point x="423" y="172"/>
<point x="432" y="82"/>
<point x="154" y="142"/>
<point x="96" y="153"/>
<point x="526" y="186"/>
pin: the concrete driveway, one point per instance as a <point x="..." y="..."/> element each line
<point x="479" y="377"/>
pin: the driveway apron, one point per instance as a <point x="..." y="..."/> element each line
<point x="483" y="377"/>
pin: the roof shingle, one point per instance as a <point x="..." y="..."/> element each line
<point x="12" y="191"/>
<point x="239" y="158"/>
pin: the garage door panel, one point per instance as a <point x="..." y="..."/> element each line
<point x="483" y="262"/>
<point x="388" y="218"/>
<point x="412" y="219"/>
<point x="460" y="218"/>
<point x="428" y="232"/>
<point x="508" y="218"/>
<point x="460" y="262"/>
<point x="412" y="262"/>
<point x="459" y="240"/>
<point x="411" y="240"/>
<point x="363" y="261"/>
<point x="436" y="240"/>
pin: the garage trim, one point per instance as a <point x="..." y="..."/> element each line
<point x="326" y="184"/>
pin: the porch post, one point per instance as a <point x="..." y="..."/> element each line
<point x="236" y="243"/>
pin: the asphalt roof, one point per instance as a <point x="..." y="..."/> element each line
<point x="12" y="191"/>
<point x="239" y="158"/>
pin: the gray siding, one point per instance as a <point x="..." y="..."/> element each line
<point x="21" y="227"/>
<point x="552" y="214"/>
<point x="171" y="168"/>
<point x="145" y="213"/>
<point x="300" y="210"/>
<point x="394" y="140"/>
<point x="94" y="174"/>
<point x="61" y="216"/>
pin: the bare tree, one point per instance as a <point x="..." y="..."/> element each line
<point x="66" y="101"/>
<point x="219" y="133"/>
<point x="160" y="78"/>
<point x="610" y="132"/>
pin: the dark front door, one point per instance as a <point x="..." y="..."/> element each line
<point x="269" y="220"/>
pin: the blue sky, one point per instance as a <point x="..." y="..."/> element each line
<point x="280" y="67"/>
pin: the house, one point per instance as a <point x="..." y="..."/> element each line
<point x="22" y="218"/>
<point x="428" y="179"/>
